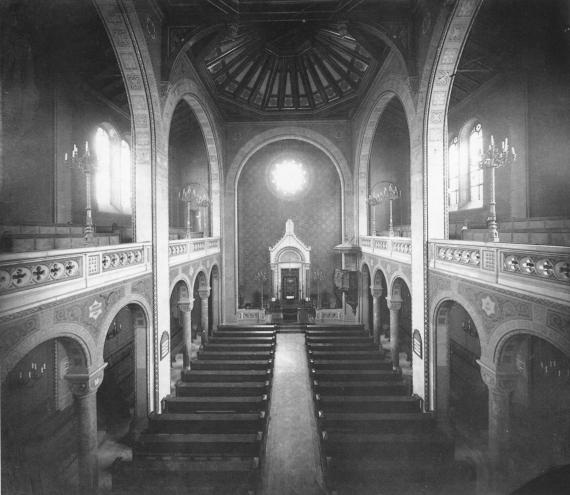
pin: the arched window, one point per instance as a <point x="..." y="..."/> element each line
<point x="453" y="174"/>
<point x="113" y="173"/>
<point x="475" y="173"/>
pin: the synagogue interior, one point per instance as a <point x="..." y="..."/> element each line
<point x="279" y="247"/>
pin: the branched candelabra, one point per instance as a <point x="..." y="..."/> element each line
<point x="383" y="191"/>
<point x="318" y="276"/>
<point x="87" y="164"/>
<point x="195" y="196"/>
<point x="494" y="158"/>
<point x="261" y="277"/>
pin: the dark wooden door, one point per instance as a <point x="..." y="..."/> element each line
<point x="290" y="283"/>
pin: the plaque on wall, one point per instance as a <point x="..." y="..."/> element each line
<point x="164" y="345"/>
<point x="417" y="339"/>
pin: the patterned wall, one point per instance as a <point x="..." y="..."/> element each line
<point x="262" y="215"/>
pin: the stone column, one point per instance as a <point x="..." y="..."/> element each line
<point x="376" y="313"/>
<point x="204" y="295"/>
<point x="185" y="307"/>
<point x="395" y="305"/>
<point x="84" y="387"/>
<point x="500" y="386"/>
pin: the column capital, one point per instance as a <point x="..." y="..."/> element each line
<point x="394" y="303"/>
<point x="204" y="293"/>
<point x="186" y="305"/>
<point x="87" y="383"/>
<point x="497" y="381"/>
<point x="376" y="291"/>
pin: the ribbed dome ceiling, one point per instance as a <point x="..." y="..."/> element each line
<point x="300" y="67"/>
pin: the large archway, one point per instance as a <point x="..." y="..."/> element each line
<point x="40" y="441"/>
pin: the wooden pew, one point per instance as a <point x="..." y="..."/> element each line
<point x="415" y="422"/>
<point x="223" y="339"/>
<point x="367" y="354"/>
<point x="225" y="375"/>
<point x="234" y="355"/>
<point x="340" y="339"/>
<point x="239" y="347"/>
<point x="215" y="422"/>
<point x="231" y="364"/>
<point x="339" y="387"/>
<point x="350" y="364"/>
<point x="355" y="375"/>
<point x="220" y="403"/>
<point x="367" y="403"/>
<point x="233" y="389"/>
<point x="345" y="347"/>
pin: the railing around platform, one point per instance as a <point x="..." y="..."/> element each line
<point x="399" y="248"/>
<point x="33" y="277"/>
<point x="521" y="266"/>
<point x="192" y="249"/>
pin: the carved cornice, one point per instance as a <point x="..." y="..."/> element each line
<point x="85" y="384"/>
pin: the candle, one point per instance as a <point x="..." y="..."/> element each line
<point x="66" y="157"/>
<point x="74" y="153"/>
<point x="86" y="146"/>
<point x="492" y="141"/>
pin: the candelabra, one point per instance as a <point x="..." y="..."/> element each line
<point x="23" y="378"/>
<point x="87" y="164"/>
<point x="195" y="196"/>
<point x="381" y="192"/>
<point x="318" y="276"/>
<point x="261" y="277"/>
<point x="491" y="160"/>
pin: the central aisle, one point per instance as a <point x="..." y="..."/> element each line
<point x="292" y="460"/>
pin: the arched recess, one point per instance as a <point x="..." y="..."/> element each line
<point x="214" y="306"/>
<point x="201" y="293"/>
<point x="460" y="348"/>
<point x="401" y="310"/>
<point x="149" y="151"/>
<point x="534" y="427"/>
<point x="189" y="92"/>
<point x="381" y="285"/>
<point x="392" y="87"/>
<point x="366" y="297"/>
<point x="124" y="349"/>
<point x="316" y="139"/>
<point x="179" y="299"/>
<point x="39" y="413"/>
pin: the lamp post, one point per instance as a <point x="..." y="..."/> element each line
<point x="494" y="158"/>
<point x="87" y="164"/>
<point x="195" y="196"/>
<point x="318" y="275"/>
<point x="382" y="191"/>
<point x="261" y="277"/>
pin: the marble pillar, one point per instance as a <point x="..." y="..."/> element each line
<point x="204" y="295"/>
<point x="376" y="313"/>
<point x="185" y="307"/>
<point x="84" y="387"/>
<point x="395" y="305"/>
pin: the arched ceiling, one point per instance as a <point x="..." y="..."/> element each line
<point x="283" y="58"/>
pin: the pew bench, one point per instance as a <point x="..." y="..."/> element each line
<point x="376" y="422"/>
<point x="235" y="355"/>
<point x="339" y="387"/>
<point x="220" y="403"/>
<point x="239" y="347"/>
<point x="241" y="340"/>
<point x="341" y="339"/>
<point x="231" y="364"/>
<point x="346" y="347"/>
<point x="207" y="422"/>
<point x="370" y="354"/>
<point x="348" y="364"/>
<point x="355" y="375"/>
<point x="225" y="375"/>
<point x="208" y="389"/>
<point x="367" y="403"/>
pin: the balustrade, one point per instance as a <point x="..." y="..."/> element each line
<point x="399" y="248"/>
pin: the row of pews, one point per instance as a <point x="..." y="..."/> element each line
<point x="210" y="436"/>
<point x="374" y="436"/>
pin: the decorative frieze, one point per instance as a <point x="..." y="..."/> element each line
<point x="461" y="255"/>
<point x="541" y="265"/>
<point x="29" y="274"/>
<point x="120" y="259"/>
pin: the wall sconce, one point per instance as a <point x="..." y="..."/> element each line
<point x="555" y="368"/>
<point x="195" y="196"/>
